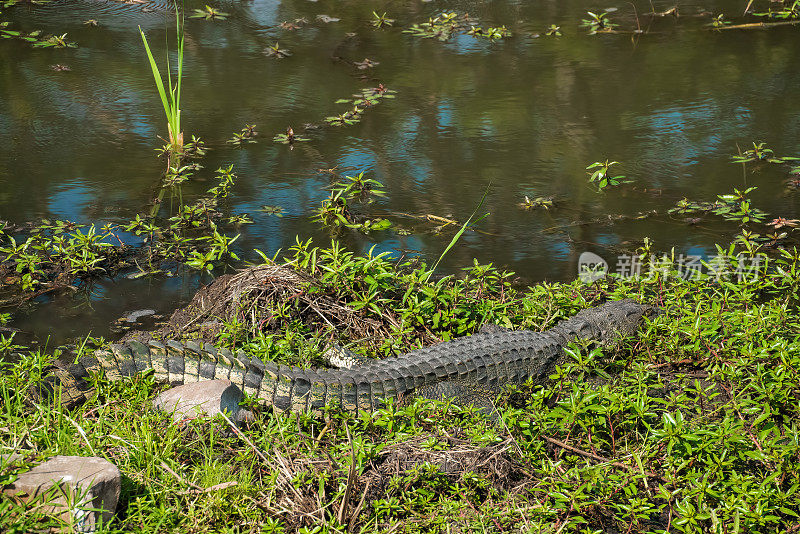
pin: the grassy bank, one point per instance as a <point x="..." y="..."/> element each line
<point x="691" y="426"/>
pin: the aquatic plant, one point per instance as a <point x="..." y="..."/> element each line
<point x="171" y="98"/>
<point x="246" y="135"/>
<point x="359" y="188"/>
<point x="362" y="100"/>
<point x="719" y="21"/>
<point x="599" y="175"/>
<point x="366" y="64"/>
<point x="381" y="21"/>
<point x="553" y="31"/>
<point x="490" y="33"/>
<point x="209" y="13"/>
<point x="55" y="41"/>
<point x="597" y="22"/>
<point x="195" y="148"/>
<point x="537" y="202"/>
<point x="735" y="207"/>
<point x="35" y="37"/>
<point x="760" y="152"/>
<point x="277" y="211"/>
<point x="441" y="27"/>
<point x="291" y="26"/>
<point x="334" y="212"/>
<point x="276" y="51"/>
<point x="240" y="219"/>
<point x="448" y="24"/>
<point x="177" y="175"/>
<point x="783" y="10"/>
<point x="780" y="222"/>
<point x="289" y="137"/>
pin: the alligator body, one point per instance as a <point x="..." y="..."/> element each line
<point x="467" y="370"/>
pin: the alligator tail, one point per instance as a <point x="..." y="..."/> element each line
<point x="286" y="388"/>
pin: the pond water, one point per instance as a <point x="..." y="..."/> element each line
<point x="523" y="116"/>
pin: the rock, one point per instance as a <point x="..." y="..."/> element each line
<point x="80" y="489"/>
<point x="134" y="316"/>
<point x="207" y="397"/>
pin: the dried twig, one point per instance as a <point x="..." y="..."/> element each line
<point x="595" y="456"/>
<point x="166" y="468"/>
<point x="351" y="477"/>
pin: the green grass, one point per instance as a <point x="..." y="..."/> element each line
<point x="170" y="95"/>
<point x="691" y="426"/>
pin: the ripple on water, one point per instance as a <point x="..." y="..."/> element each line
<point x="138" y="10"/>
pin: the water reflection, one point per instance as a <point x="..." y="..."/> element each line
<point x="527" y="115"/>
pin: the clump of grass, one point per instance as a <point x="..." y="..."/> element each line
<point x="171" y="95"/>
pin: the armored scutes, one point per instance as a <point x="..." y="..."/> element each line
<point x="467" y="370"/>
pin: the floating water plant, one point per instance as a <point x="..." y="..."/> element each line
<point x="335" y="212"/>
<point x="783" y="11"/>
<point x="381" y="21"/>
<point x="359" y="188"/>
<point x="360" y="101"/>
<point x="598" y="22"/>
<point x="731" y="207"/>
<point x="760" y="152"/>
<point x="366" y="64"/>
<point x="171" y="98"/>
<point x="277" y="211"/>
<point x="35" y="37"/>
<point x="347" y="118"/>
<point x="536" y="203"/>
<point x="599" y="175"/>
<point x="719" y="21"/>
<point x="442" y="27"/>
<point x="781" y="222"/>
<point x="490" y="33"/>
<point x="195" y="148"/>
<point x="177" y="175"/>
<point x="553" y="31"/>
<point x="238" y="220"/>
<point x="209" y="13"/>
<point x="289" y="137"/>
<point x="369" y="97"/>
<point x="446" y="25"/>
<point x="291" y="26"/>
<point x="276" y="51"/>
<point x="246" y="135"/>
<point x="55" y="41"/>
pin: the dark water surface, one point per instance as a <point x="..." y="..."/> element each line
<point x="527" y="115"/>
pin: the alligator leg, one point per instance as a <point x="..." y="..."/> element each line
<point x="490" y="328"/>
<point x="342" y="358"/>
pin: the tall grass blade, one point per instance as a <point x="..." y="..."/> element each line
<point x="170" y="99"/>
<point x="462" y="229"/>
<point x="156" y="74"/>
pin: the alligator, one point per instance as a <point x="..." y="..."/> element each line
<point x="466" y="370"/>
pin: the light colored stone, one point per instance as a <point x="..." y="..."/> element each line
<point x="78" y="488"/>
<point x="204" y="398"/>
